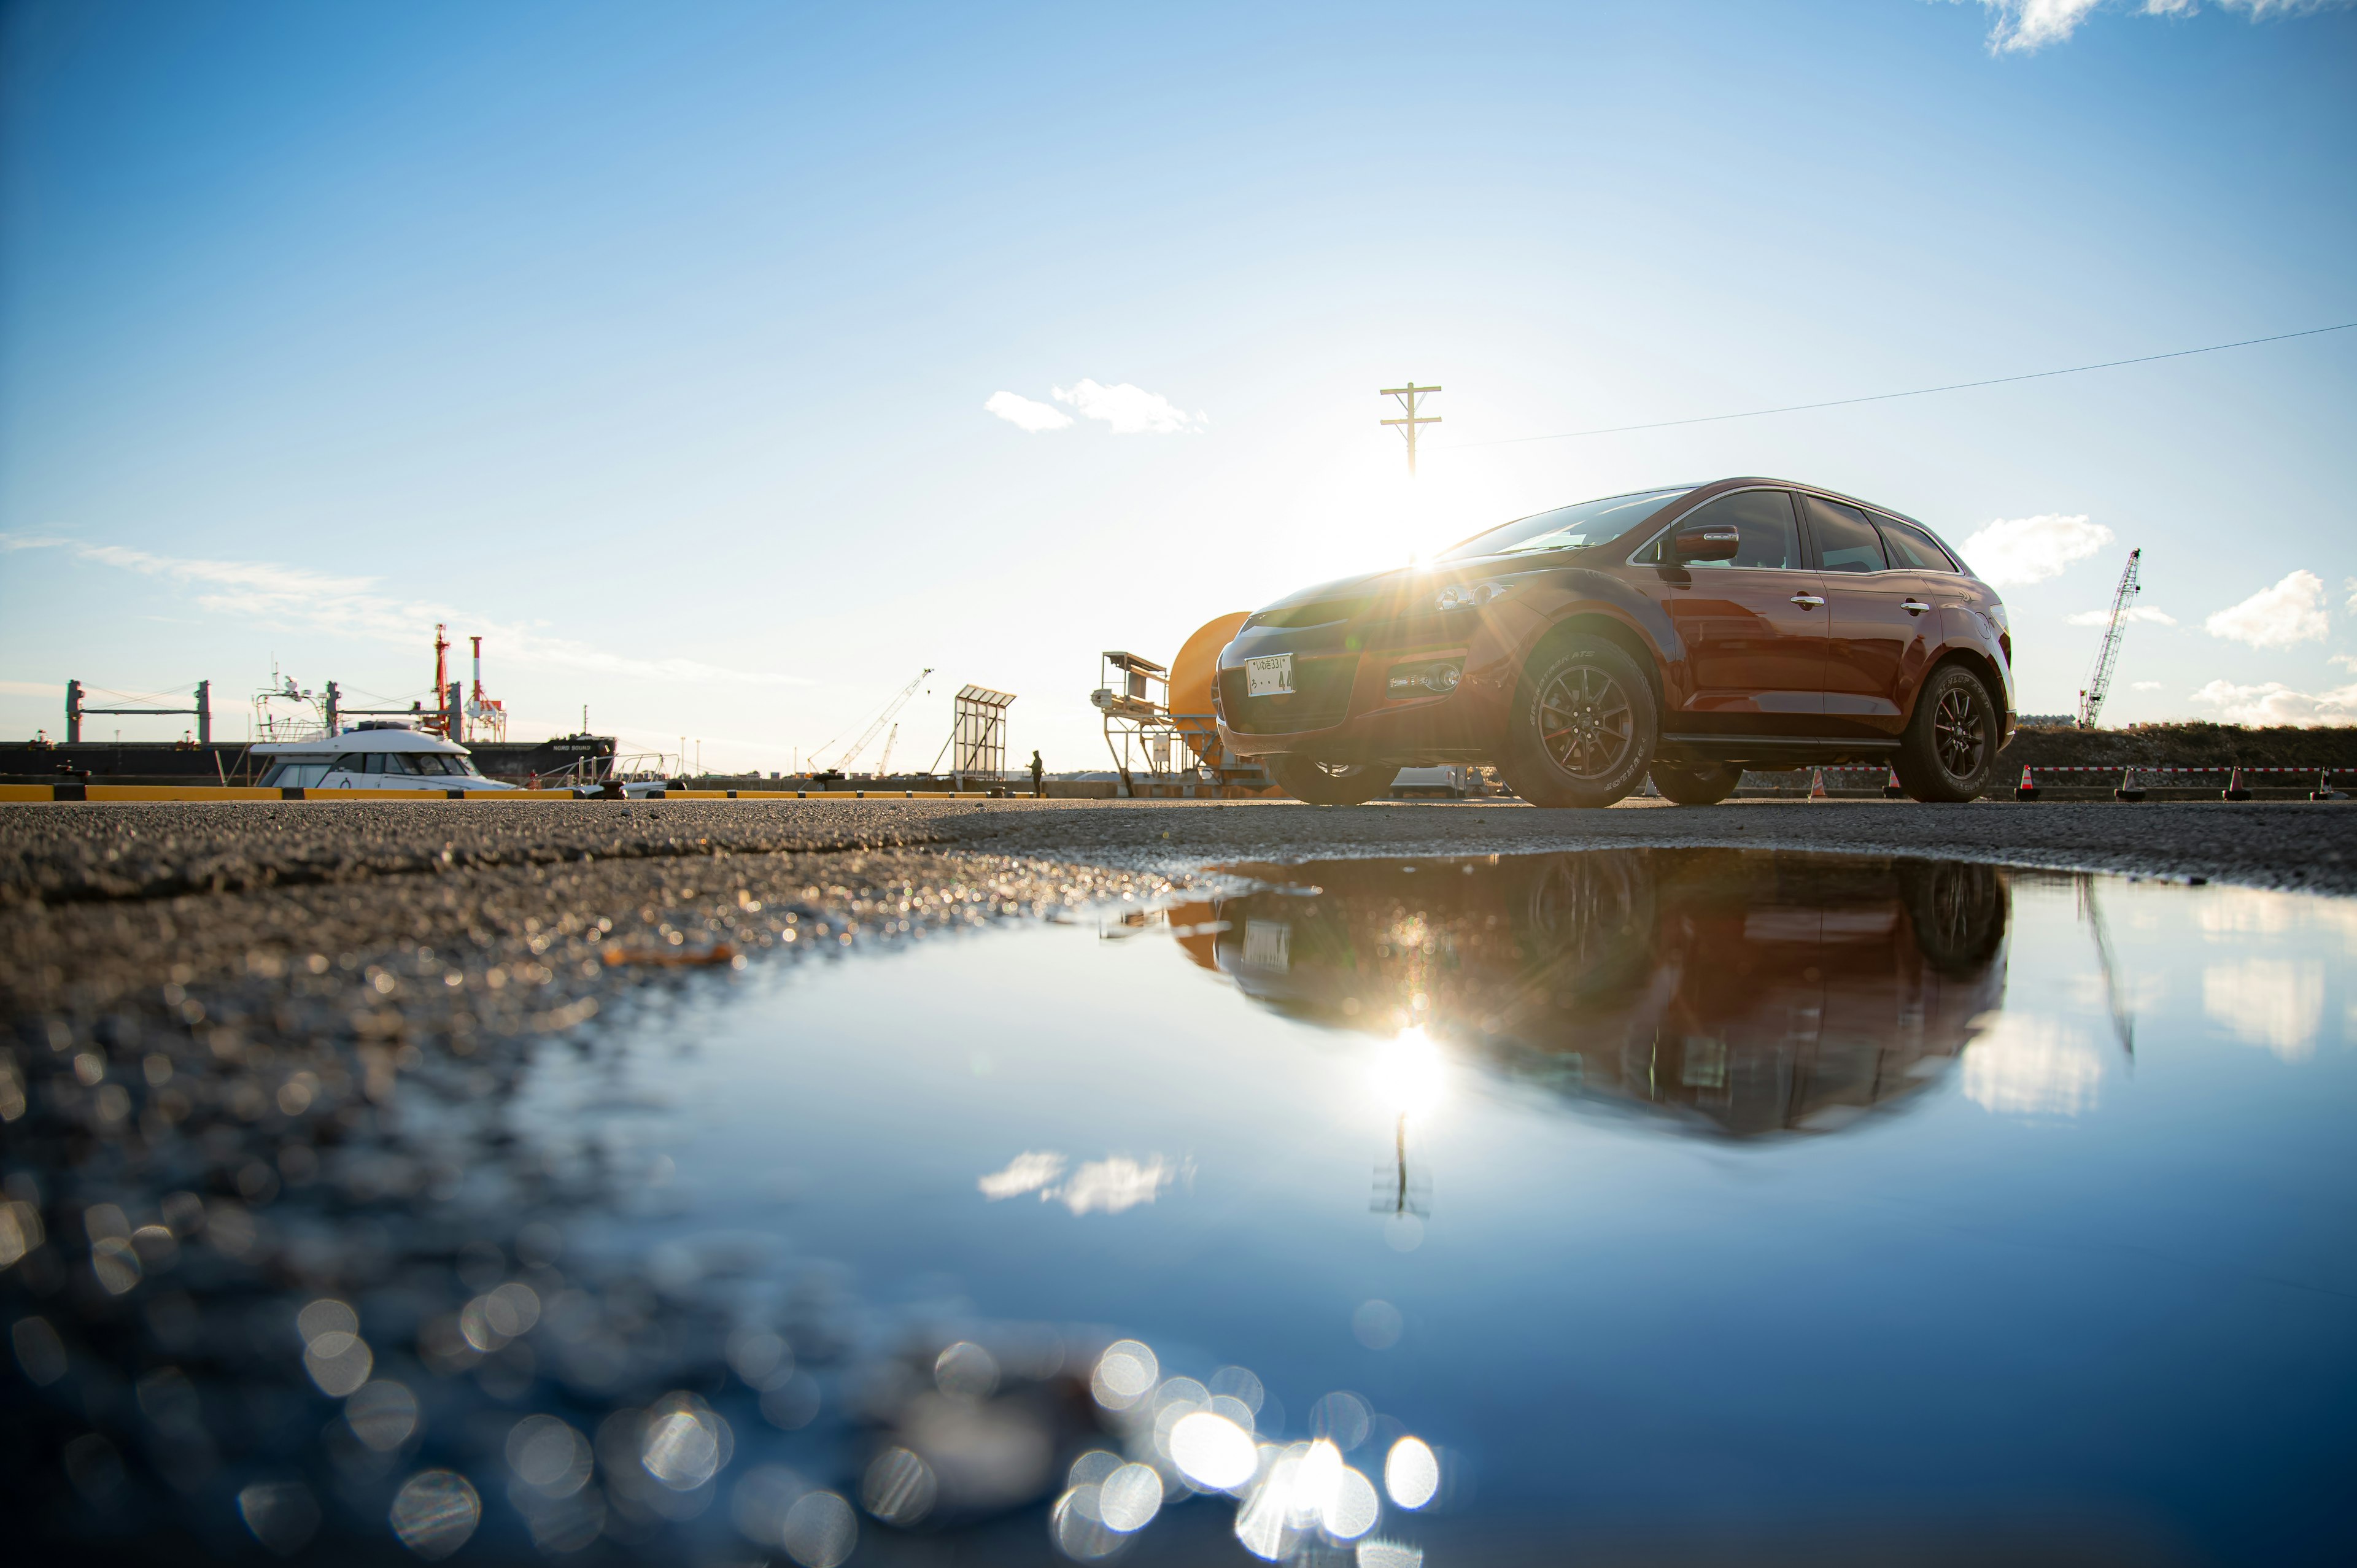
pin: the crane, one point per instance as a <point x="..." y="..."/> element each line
<point x="2099" y="685"/>
<point x="884" y="763"/>
<point x="876" y="725"/>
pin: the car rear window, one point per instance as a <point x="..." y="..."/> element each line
<point x="1567" y="527"/>
<point x="1846" y="539"/>
<point x="1910" y="547"/>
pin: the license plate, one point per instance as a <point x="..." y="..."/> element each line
<point x="1269" y="677"/>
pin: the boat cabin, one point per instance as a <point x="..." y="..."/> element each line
<point x="380" y="753"/>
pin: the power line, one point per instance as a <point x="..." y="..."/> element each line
<point x="1886" y="397"/>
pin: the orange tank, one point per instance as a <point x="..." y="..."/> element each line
<point x="1191" y="674"/>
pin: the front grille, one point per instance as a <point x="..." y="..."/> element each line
<point x="1320" y="698"/>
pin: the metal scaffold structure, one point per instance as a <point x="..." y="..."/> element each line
<point x="978" y="732"/>
<point x="2108" y="657"/>
<point x="1162" y="723"/>
<point x="77" y="709"/>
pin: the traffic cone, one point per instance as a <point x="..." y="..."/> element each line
<point x="2027" y="791"/>
<point x="2234" y="789"/>
<point x="1892" y="789"/>
<point x="2128" y="789"/>
<point x="2323" y="790"/>
<point x="1817" y="784"/>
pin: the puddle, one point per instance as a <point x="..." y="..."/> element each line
<point x="1692" y="1205"/>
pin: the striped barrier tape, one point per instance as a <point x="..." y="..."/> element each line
<point x="32" y="793"/>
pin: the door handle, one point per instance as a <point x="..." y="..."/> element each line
<point x="1807" y="601"/>
<point x="1915" y="607"/>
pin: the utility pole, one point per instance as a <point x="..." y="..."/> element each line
<point x="1408" y="395"/>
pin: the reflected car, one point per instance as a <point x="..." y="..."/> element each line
<point x="1687" y="632"/>
<point x="1734" y="994"/>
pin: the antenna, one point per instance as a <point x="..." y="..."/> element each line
<point x="1408" y="395"/>
<point x="2099" y="685"/>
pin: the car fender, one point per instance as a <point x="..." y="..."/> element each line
<point x="1527" y="618"/>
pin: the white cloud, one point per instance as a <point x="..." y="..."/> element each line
<point x="2275" y="1003"/>
<point x="2346" y="661"/>
<point x="274" y="593"/>
<point x="2144" y="685"/>
<point x="1117" y="1183"/>
<point x="1109" y="1185"/>
<point x="2133" y="613"/>
<point x="1023" y="414"/>
<point x="2292" y="611"/>
<point x="2031" y="1066"/>
<point x="1027" y="1172"/>
<point x="2273" y="702"/>
<point x="2025" y="26"/>
<point x="2013" y="553"/>
<point x="2349" y="587"/>
<point x="1131" y="411"/>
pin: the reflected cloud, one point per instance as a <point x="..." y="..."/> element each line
<point x="2028" y="1065"/>
<point x="1110" y="1186"/>
<point x="2275" y="1003"/>
<point x="1027" y="1172"/>
<point x="1742" y="995"/>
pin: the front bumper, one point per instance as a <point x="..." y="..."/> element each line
<point x="1340" y="708"/>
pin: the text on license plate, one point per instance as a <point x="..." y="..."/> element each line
<point x="1269" y="677"/>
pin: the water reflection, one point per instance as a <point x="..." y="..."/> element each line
<point x="1735" y="993"/>
<point x="1040" y="1248"/>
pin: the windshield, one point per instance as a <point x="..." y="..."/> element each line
<point x="1567" y="527"/>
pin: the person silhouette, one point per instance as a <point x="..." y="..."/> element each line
<point x="1039" y="776"/>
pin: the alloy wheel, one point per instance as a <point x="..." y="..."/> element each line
<point x="1959" y="732"/>
<point x="1586" y="723"/>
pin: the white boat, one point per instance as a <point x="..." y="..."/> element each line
<point x="383" y="754"/>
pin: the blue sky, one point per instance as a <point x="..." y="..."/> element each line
<point x="654" y="343"/>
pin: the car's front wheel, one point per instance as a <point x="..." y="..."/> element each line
<point x="1949" y="752"/>
<point x="1583" y="727"/>
<point x="1696" y="784"/>
<point x="1331" y="783"/>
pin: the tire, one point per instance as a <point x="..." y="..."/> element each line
<point x="1583" y="727"/>
<point x="1949" y="752"/>
<point x="1698" y="784"/>
<point x="1331" y="783"/>
<point x="1957" y="911"/>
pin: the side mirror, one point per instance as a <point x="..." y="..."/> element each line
<point x="1707" y="541"/>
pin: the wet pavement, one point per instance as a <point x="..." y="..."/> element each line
<point x="906" y="1204"/>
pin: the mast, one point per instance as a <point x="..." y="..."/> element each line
<point x="2099" y="685"/>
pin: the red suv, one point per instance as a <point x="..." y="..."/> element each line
<point x="1695" y="631"/>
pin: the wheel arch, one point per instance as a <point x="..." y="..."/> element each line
<point x="1991" y="681"/>
<point x="1612" y="629"/>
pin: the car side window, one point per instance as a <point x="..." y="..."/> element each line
<point x="1913" y="548"/>
<point x="1772" y="539"/>
<point x="1845" y="540"/>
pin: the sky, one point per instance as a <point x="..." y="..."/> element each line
<point x="724" y="366"/>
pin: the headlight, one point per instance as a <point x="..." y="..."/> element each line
<point x="1436" y="675"/>
<point x="1470" y="595"/>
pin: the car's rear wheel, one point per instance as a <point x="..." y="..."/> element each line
<point x="1696" y="784"/>
<point x="1583" y="727"/>
<point x="1949" y="752"/>
<point x="1330" y="783"/>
